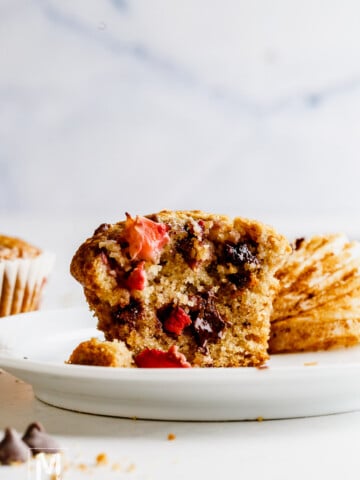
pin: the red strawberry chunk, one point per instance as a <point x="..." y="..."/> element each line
<point x="177" y="321"/>
<point x="153" y="358"/>
<point x="145" y="237"/>
<point x="137" y="278"/>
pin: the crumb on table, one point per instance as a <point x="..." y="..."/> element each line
<point x="102" y="459"/>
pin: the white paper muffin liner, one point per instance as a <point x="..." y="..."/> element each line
<point x="22" y="282"/>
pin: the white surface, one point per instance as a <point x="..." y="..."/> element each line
<point x="320" y="447"/>
<point x="34" y="346"/>
<point x="306" y="448"/>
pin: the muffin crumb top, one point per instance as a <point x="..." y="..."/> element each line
<point x="12" y="248"/>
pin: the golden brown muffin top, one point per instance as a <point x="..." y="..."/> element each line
<point x="12" y="248"/>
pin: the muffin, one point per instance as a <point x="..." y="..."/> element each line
<point x="317" y="306"/>
<point x="101" y="354"/>
<point x="183" y="288"/>
<point x="24" y="269"/>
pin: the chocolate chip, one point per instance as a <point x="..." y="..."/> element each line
<point x="241" y="279"/>
<point x="114" y="269"/>
<point x="164" y="312"/>
<point x="298" y="242"/>
<point x="102" y="228"/>
<point x="38" y="440"/>
<point x="185" y="243"/>
<point x="243" y="256"/>
<point x="240" y="254"/>
<point x="185" y="247"/>
<point x="208" y="324"/>
<point x="13" y="449"/>
<point x="129" y="314"/>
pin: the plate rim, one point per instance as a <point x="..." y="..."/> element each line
<point x="195" y="394"/>
<point x="11" y="361"/>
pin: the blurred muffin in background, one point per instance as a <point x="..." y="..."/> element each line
<point x="24" y="270"/>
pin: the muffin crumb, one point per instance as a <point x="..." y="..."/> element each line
<point x="102" y="459"/>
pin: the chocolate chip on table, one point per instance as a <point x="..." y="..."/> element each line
<point x="13" y="449"/>
<point x="38" y="439"/>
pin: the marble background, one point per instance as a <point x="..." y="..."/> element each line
<point x="232" y="106"/>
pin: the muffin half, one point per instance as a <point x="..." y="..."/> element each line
<point x="188" y="285"/>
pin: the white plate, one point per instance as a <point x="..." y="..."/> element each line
<point x="34" y="346"/>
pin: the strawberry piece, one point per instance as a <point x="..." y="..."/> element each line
<point x="137" y="278"/>
<point x="152" y="358"/>
<point x="177" y="321"/>
<point x="145" y="237"/>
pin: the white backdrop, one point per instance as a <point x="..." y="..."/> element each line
<point x="232" y="106"/>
